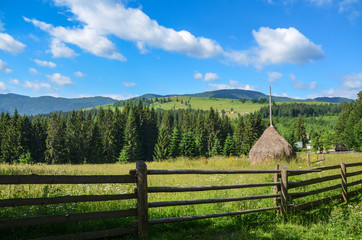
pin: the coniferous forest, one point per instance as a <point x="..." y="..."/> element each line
<point x="138" y="132"/>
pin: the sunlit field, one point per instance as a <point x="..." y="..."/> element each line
<point x="335" y="220"/>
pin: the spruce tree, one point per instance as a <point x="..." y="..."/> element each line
<point x="188" y="146"/>
<point x="229" y="146"/>
<point x="300" y="134"/>
<point x="175" y="143"/>
<point x="132" y="144"/>
<point x="217" y="148"/>
<point x="55" y="142"/>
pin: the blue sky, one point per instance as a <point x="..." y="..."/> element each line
<point x="122" y="49"/>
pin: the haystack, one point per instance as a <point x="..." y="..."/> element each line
<point x="271" y="146"/>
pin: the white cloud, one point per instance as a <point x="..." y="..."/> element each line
<point x="58" y="50"/>
<point x="209" y="77"/>
<point x="232" y="84"/>
<point x="353" y="81"/>
<point x="80" y="74"/>
<point x="38" y="86"/>
<point x="321" y="3"/>
<point x="277" y="46"/>
<point x="45" y="63"/>
<point x="9" y="44"/>
<point x="1" y="26"/>
<point x="120" y="96"/>
<point x="301" y="85"/>
<point x="33" y="71"/>
<point x="101" y="19"/>
<point x="4" y="67"/>
<point x="60" y="79"/>
<point x="350" y="7"/>
<point x="273" y="76"/>
<point x="14" y="81"/>
<point x="337" y="92"/>
<point x="129" y="84"/>
<point x="3" y="87"/>
<point x="198" y="76"/>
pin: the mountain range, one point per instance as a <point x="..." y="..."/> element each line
<point x="247" y="94"/>
<point x="46" y="104"/>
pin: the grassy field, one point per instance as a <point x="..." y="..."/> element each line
<point x="330" y="221"/>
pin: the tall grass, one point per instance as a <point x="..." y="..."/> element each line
<point x="335" y="220"/>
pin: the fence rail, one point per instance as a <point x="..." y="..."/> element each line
<point x="280" y="183"/>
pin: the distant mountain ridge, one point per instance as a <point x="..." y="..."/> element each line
<point x="248" y="94"/>
<point x="46" y="104"/>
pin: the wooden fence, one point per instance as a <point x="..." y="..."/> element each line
<point x="281" y="184"/>
<point x="316" y="161"/>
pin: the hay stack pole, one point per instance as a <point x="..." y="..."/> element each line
<point x="270" y="109"/>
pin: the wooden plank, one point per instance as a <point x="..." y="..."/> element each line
<point x="197" y="217"/>
<point x="93" y="235"/>
<point x="313" y="181"/>
<point x="354" y="183"/>
<point x="316" y="202"/>
<point x="64" y="199"/>
<point x="192" y="171"/>
<point x="354" y="164"/>
<point x="300" y="172"/>
<point x="303" y="194"/>
<point x="142" y="199"/>
<point x="284" y="190"/>
<point x="208" y="188"/>
<point x="65" y="179"/>
<point x="344" y="182"/>
<point x="353" y="174"/>
<point x="276" y="189"/>
<point x="329" y="167"/>
<point x="72" y="217"/>
<point x="212" y="200"/>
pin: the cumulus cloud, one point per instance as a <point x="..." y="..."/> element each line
<point x="9" y="44"/>
<point x="4" y="67"/>
<point x="198" y="76"/>
<point x="120" y="96"/>
<point x="209" y="77"/>
<point x="33" y="71"/>
<point x="101" y="19"/>
<point x="80" y="74"/>
<point x="45" y="63"/>
<point x="321" y="3"/>
<point x="14" y="81"/>
<point x="274" y="76"/>
<point x="297" y="84"/>
<point x="337" y="92"/>
<point x="353" y="81"/>
<point x="3" y="87"/>
<point x="59" y="50"/>
<point x="38" y="86"/>
<point x="277" y="46"/>
<point x="232" y="84"/>
<point x="60" y="79"/>
<point x="129" y="84"/>
<point x="350" y="7"/>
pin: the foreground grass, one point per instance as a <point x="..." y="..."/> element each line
<point x="333" y="221"/>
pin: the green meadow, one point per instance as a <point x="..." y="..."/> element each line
<point x="335" y="220"/>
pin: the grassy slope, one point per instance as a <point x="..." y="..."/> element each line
<point x="334" y="221"/>
<point x="204" y="103"/>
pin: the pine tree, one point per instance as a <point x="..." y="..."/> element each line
<point x="300" y="134"/>
<point x="175" y="143"/>
<point x="188" y="146"/>
<point x="217" y="148"/>
<point x="200" y="135"/>
<point x="55" y="142"/>
<point x="132" y="144"/>
<point x="229" y="146"/>
<point x="162" y="149"/>
<point x="38" y="146"/>
<point x="239" y="136"/>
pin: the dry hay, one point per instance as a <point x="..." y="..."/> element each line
<point x="271" y="146"/>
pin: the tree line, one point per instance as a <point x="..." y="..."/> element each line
<point x="138" y="132"/>
<point x="349" y="125"/>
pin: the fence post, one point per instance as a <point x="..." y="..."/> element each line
<point x="142" y="201"/>
<point x="317" y="156"/>
<point x="308" y="157"/>
<point x="276" y="188"/>
<point x="284" y="190"/>
<point x="344" y="182"/>
<point x="323" y="156"/>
